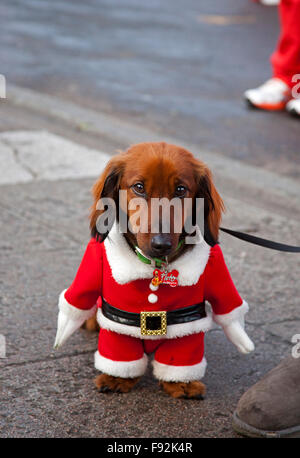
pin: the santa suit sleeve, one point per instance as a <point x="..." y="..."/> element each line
<point x="78" y="303"/>
<point x="227" y="305"/>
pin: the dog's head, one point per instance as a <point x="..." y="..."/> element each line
<point x="157" y="170"/>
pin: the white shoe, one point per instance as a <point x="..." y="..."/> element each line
<point x="269" y="2"/>
<point x="272" y="95"/>
<point x="293" y="107"/>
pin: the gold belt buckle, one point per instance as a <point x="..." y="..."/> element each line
<point x="146" y="331"/>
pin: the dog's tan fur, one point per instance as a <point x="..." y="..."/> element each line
<point x="190" y="390"/>
<point x="105" y="383"/>
<point x="91" y="324"/>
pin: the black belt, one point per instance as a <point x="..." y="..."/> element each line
<point x="154" y="323"/>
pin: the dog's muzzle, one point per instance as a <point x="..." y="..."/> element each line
<point x="154" y="323"/>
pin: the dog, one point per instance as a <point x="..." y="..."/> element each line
<point x="148" y="289"/>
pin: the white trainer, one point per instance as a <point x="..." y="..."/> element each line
<point x="269" y="2"/>
<point x="293" y="107"/>
<point x="272" y="95"/>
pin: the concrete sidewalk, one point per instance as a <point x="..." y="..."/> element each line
<point x="45" y="197"/>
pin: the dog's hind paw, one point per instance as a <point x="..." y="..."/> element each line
<point x="91" y="324"/>
<point x="189" y="390"/>
<point x="107" y="383"/>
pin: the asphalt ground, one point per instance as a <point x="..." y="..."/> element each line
<point x="44" y="229"/>
<point x="178" y="68"/>
<point x="116" y="73"/>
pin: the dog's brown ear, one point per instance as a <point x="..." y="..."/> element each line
<point x="106" y="186"/>
<point x="213" y="204"/>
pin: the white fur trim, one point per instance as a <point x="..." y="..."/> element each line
<point x="173" y="330"/>
<point x="127" y="267"/>
<point x="192" y="263"/>
<point x="125" y="369"/>
<point x="73" y="312"/>
<point x="236" y="314"/>
<point x="179" y="373"/>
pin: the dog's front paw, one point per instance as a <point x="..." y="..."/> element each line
<point x="107" y="383"/>
<point x="189" y="390"/>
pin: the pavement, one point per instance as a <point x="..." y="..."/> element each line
<point x="176" y="69"/>
<point x="51" y="152"/>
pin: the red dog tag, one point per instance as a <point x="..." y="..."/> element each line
<point x="165" y="278"/>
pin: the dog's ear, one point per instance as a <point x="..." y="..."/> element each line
<point x="106" y="186"/>
<point x="213" y="204"/>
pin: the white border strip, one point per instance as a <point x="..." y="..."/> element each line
<point x="125" y="369"/>
<point x="73" y="312"/>
<point x="179" y="373"/>
<point x="236" y="314"/>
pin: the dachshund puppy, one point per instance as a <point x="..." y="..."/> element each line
<point x="149" y="286"/>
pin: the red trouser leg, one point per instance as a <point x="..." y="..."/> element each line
<point x="286" y="58"/>
<point x="120" y="355"/>
<point x="181" y="359"/>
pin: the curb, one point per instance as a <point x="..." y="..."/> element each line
<point x="244" y="175"/>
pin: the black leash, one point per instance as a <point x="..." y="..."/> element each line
<point x="262" y="242"/>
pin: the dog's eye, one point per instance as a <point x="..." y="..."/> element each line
<point x="180" y="191"/>
<point x="139" y="188"/>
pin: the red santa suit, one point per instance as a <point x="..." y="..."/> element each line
<point x="112" y="271"/>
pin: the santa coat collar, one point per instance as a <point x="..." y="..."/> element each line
<point x="127" y="267"/>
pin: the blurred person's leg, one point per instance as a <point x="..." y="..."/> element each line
<point x="276" y="92"/>
<point x="286" y="58"/>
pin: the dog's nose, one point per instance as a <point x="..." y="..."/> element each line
<point x="161" y="244"/>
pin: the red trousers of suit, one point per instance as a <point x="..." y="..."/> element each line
<point x="178" y="359"/>
<point x="286" y="58"/>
